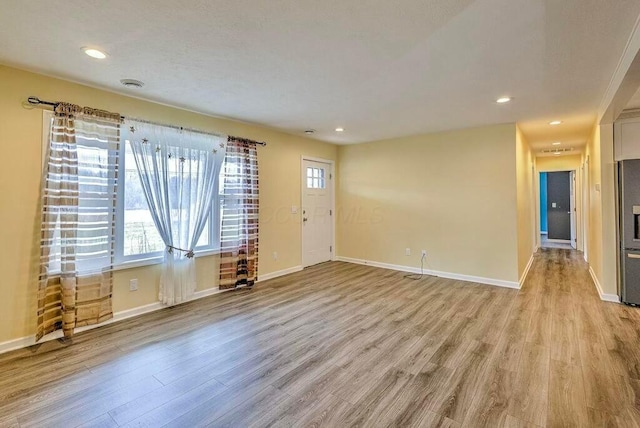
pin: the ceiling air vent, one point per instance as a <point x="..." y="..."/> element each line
<point x="132" y="83"/>
<point x="559" y="150"/>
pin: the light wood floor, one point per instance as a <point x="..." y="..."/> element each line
<point x="347" y="345"/>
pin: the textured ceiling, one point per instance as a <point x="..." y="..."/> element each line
<point x="379" y="68"/>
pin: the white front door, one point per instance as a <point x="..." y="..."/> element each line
<point x="317" y="215"/>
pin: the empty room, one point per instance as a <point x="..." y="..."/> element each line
<point x="422" y="213"/>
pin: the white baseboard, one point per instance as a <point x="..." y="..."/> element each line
<point x="279" y="273"/>
<point x="24" y="342"/>
<point x="449" y="275"/>
<point x="606" y="297"/>
<point x="526" y="270"/>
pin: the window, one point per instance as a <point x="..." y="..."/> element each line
<point x="136" y="235"/>
<point x="315" y="178"/>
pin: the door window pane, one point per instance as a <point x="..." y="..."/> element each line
<point x="315" y="178"/>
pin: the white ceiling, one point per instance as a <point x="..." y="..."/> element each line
<point x="379" y="68"/>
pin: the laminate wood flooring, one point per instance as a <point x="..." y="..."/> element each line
<point x="348" y="345"/>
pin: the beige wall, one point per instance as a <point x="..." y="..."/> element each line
<point x="526" y="202"/>
<point x="594" y="238"/>
<point x="20" y="138"/>
<point x="453" y="194"/>
<point x="559" y="163"/>
<point x="602" y="214"/>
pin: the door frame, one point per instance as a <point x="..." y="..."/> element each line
<point x="586" y="206"/>
<point x="332" y="180"/>
<point x="578" y="197"/>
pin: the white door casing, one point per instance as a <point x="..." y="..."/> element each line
<point x="317" y="212"/>
<point x="572" y="184"/>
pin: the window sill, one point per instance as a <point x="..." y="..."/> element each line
<point x="157" y="260"/>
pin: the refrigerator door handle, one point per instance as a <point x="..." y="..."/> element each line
<point x="633" y="256"/>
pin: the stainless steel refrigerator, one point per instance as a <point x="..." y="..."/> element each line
<point x="629" y="211"/>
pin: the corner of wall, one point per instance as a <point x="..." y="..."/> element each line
<point x="525" y="202"/>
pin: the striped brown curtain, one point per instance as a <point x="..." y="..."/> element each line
<point x="78" y="220"/>
<point x="239" y="229"/>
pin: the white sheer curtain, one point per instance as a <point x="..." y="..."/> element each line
<point x="179" y="171"/>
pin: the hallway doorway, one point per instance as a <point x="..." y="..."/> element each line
<point x="558" y="225"/>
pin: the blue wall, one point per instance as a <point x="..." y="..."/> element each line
<point x="543" y="202"/>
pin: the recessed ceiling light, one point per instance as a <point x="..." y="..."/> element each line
<point x="557" y="143"/>
<point x="94" y="53"/>
<point x="503" y="100"/>
<point x="339" y="129"/>
<point x="555" y="122"/>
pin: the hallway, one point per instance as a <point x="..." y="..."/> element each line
<point x="581" y="360"/>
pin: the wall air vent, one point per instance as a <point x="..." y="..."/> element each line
<point x="629" y="113"/>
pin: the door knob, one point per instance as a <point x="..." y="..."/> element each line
<point x="304" y="219"/>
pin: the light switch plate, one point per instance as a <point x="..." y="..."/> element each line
<point x="553" y="205"/>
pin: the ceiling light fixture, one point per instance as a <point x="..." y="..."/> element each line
<point x="503" y="100"/>
<point x="339" y="129"/>
<point x="557" y="143"/>
<point x="555" y="122"/>
<point x="94" y="53"/>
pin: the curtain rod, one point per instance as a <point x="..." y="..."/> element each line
<point x="35" y="101"/>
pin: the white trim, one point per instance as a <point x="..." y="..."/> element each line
<point x="158" y="260"/>
<point x="559" y="241"/>
<point x="624" y="63"/>
<point x="449" y="275"/>
<point x="606" y="297"/>
<point x="334" y="214"/>
<point x="23" y="342"/>
<point x="526" y="269"/>
<point x="279" y="273"/>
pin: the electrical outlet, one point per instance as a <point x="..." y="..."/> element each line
<point x="133" y="284"/>
<point x="407" y="251"/>
<point x="424" y="253"/>
<point x="275" y="255"/>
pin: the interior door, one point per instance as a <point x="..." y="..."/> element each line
<point x="317" y="215"/>
<point x="559" y="206"/>
<point x="572" y="183"/>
